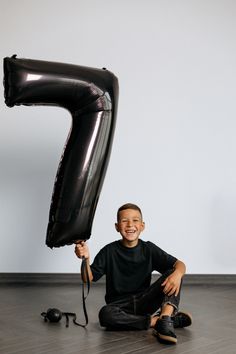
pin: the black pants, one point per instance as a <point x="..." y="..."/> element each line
<point x="134" y="312"/>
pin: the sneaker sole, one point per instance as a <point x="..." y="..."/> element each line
<point x="164" y="338"/>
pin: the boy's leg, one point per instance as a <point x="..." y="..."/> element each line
<point x="121" y="316"/>
<point x="135" y="312"/>
<point x="154" y="298"/>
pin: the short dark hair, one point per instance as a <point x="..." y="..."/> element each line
<point x="128" y="206"/>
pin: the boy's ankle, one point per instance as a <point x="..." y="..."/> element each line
<point x="154" y="320"/>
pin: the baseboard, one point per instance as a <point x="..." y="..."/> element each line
<point x="210" y="279"/>
<point x="75" y="279"/>
<point x="40" y="278"/>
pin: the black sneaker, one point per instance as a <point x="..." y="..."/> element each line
<point x="182" y="319"/>
<point x="164" y="330"/>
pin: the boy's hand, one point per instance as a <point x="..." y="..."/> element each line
<point x="82" y="250"/>
<point x="172" y="283"/>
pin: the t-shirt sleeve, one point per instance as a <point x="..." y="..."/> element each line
<point x="98" y="267"/>
<point x="161" y="260"/>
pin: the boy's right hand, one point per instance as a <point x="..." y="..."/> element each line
<point x="82" y="250"/>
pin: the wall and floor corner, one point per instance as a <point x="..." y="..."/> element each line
<point x="174" y="147"/>
<point x="74" y="279"/>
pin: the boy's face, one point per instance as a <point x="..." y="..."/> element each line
<point x="130" y="225"/>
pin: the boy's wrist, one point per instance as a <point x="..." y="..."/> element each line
<point x="179" y="272"/>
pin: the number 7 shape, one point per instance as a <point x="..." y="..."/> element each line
<point x="91" y="96"/>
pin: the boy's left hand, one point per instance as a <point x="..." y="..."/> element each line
<point x="172" y="283"/>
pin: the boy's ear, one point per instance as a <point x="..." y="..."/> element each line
<point x="143" y="225"/>
<point x="117" y="227"/>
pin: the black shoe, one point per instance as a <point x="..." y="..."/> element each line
<point x="164" y="330"/>
<point x="182" y="319"/>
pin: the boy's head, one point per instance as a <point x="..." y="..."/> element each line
<point x="129" y="206"/>
<point x="129" y="223"/>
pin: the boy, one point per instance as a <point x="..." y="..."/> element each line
<point x="131" y="302"/>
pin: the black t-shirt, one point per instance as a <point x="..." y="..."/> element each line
<point x="128" y="270"/>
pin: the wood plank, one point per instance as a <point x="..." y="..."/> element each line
<point x="23" y="330"/>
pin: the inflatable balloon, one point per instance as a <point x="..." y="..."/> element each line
<point x="91" y="96"/>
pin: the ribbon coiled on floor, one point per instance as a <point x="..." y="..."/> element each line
<point x="55" y="315"/>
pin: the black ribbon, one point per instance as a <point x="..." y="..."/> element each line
<point x="55" y="315"/>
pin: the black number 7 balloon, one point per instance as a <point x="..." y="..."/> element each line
<point x="91" y="96"/>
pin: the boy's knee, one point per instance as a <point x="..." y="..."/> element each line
<point x="164" y="275"/>
<point x="105" y="316"/>
<point x="168" y="272"/>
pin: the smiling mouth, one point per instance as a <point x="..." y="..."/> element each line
<point x="130" y="231"/>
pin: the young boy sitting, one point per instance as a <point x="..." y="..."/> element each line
<point x="132" y="302"/>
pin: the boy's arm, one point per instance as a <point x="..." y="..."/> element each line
<point x="180" y="267"/>
<point x="173" y="281"/>
<point x="82" y="251"/>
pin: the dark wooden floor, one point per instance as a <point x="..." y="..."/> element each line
<point x="23" y="331"/>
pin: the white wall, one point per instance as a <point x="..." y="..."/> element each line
<point x="174" y="149"/>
